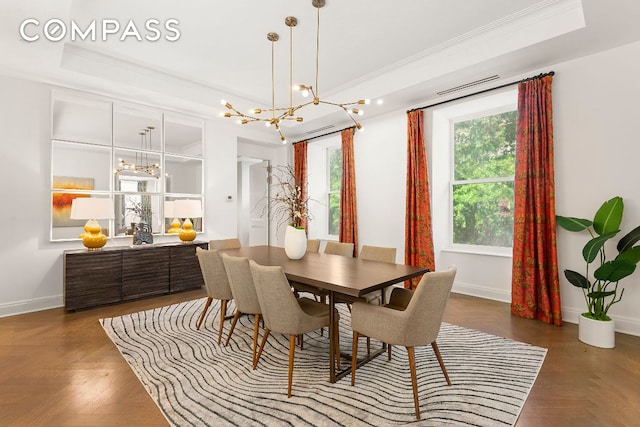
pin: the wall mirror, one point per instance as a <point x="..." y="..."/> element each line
<point x="81" y="119"/>
<point x="183" y="135"/>
<point x="132" y="209"/>
<point x="170" y="219"/>
<point x="137" y="155"/>
<point x="137" y="127"/>
<point x="183" y="175"/>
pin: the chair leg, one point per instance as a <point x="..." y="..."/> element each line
<point x="389" y="352"/>
<point x="436" y="350"/>
<point x="256" y="327"/>
<point x="354" y="357"/>
<point x="414" y="381"/>
<point x="368" y="346"/>
<point x="337" y="344"/>
<point x="264" y="340"/>
<point x="204" y="312"/>
<point x="292" y="351"/>
<point x="233" y="326"/>
<point x="223" y="313"/>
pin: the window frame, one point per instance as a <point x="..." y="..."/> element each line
<point x="331" y="192"/>
<point x="470" y="114"/>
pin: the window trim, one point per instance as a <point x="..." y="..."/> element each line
<point x="330" y="191"/>
<point x="453" y="119"/>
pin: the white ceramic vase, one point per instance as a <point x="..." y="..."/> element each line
<point x="597" y="333"/>
<point x="295" y="242"/>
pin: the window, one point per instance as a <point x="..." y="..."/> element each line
<point x="334" y="175"/>
<point x="482" y="179"/>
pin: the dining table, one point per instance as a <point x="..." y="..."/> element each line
<point x="341" y="278"/>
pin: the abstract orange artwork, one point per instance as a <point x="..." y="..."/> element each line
<point x="61" y="208"/>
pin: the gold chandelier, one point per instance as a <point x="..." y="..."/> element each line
<point x="280" y="114"/>
<point x="142" y="161"/>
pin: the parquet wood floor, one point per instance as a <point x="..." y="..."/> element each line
<point x="60" y="369"/>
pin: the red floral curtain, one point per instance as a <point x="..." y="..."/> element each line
<point x="348" y="212"/>
<point x="300" y="171"/>
<point x="418" y="249"/>
<point x="535" y="288"/>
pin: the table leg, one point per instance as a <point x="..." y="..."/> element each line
<point x="332" y="332"/>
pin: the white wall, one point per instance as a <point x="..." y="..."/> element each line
<point x="380" y="156"/>
<point x="31" y="265"/>
<point x="220" y="153"/>
<point x="595" y="112"/>
<point x="596" y="152"/>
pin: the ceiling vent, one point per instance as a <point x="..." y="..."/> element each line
<point x="468" y="85"/>
<point x="319" y="129"/>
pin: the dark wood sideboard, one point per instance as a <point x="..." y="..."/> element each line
<point x="123" y="273"/>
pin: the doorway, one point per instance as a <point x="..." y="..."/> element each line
<point x="253" y="206"/>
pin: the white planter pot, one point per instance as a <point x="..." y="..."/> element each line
<point x="295" y="242"/>
<point x="597" y="333"/>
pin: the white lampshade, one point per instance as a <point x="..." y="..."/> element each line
<point x="91" y="208"/>
<point x="187" y="209"/>
<point x="169" y="208"/>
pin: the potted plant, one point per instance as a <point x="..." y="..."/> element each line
<point x="602" y="274"/>
<point x="289" y="206"/>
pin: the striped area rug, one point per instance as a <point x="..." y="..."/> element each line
<point x="195" y="381"/>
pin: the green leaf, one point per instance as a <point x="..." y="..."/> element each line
<point x="598" y="295"/>
<point x="631" y="254"/>
<point x="577" y="279"/>
<point x="609" y="216"/>
<point x="613" y="271"/>
<point x="629" y="240"/>
<point x="572" y="224"/>
<point x="593" y="246"/>
<point x="601" y="317"/>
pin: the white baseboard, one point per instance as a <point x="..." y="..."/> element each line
<point x="29" y="306"/>
<point x="625" y="325"/>
<point x="481" y="292"/>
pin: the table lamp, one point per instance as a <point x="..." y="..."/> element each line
<point x="187" y="209"/>
<point x="169" y="208"/>
<point x="92" y="209"/>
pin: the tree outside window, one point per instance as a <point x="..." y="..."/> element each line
<point x="482" y="184"/>
<point x="334" y="158"/>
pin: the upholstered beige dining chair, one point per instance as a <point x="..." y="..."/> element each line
<point x="380" y="254"/>
<point x="225" y="244"/>
<point x="284" y="314"/>
<point x="244" y="295"/>
<point x="313" y="245"/>
<point x="412" y="318"/>
<point x="339" y="248"/>
<point x="216" y="282"/>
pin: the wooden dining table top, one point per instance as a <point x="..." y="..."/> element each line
<point x="343" y="275"/>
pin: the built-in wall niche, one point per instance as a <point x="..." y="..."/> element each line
<point x="107" y="148"/>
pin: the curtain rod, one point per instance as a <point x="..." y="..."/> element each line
<point x="539" y="76"/>
<point x="324" y="134"/>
